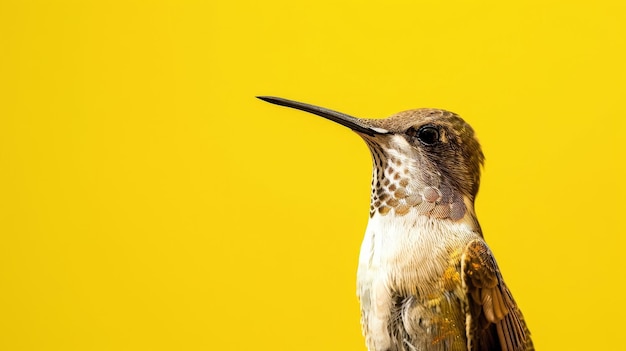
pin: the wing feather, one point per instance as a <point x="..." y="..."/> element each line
<point x="496" y="321"/>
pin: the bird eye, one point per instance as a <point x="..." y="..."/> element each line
<point x="428" y="135"/>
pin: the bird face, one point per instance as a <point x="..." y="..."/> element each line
<point x="437" y="147"/>
<point x="424" y="159"/>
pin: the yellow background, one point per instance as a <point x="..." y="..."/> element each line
<point x="149" y="201"/>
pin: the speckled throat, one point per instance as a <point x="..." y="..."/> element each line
<point x="396" y="189"/>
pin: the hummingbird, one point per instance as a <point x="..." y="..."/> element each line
<point x="426" y="279"/>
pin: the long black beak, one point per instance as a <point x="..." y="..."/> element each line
<point x="353" y="123"/>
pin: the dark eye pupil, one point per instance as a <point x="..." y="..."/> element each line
<point x="428" y="135"/>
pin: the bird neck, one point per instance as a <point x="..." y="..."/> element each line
<point x="400" y="187"/>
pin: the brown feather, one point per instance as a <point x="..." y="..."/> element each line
<point x="491" y="303"/>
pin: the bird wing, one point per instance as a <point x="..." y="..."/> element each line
<point x="495" y="321"/>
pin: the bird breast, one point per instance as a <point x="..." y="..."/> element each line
<point x="414" y="256"/>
